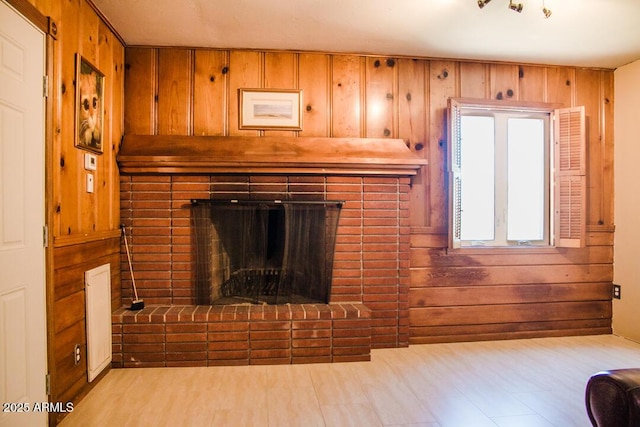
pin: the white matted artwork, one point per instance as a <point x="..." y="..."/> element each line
<point x="270" y="109"/>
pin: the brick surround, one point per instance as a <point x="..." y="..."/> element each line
<point x="371" y="266"/>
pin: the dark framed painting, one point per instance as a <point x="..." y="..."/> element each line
<point x="89" y="105"/>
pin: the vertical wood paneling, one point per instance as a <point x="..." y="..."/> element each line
<point x="314" y="77"/>
<point x="379" y="95"/>
<point x="67" y="185"/>
<point x="504" y="81"/>
<point x="442" y="86"/>
<point x="531" y="83"/>
<point x="89" y="33"/>
<point x="412" y="103"/>
<point x="560" y="86"/>
<point x="140" y="85"/>
<point x="210" y="92"/>
<point x="117" y="130"/>
<point x="98" y="207"/>
<point x="474" y="80"/>
<point x="245" y="71"/>
<point x="53" y="151"/>
<point x="174" y="91"/>
<point x="280" y="72"/>
<point x="589" y="94"/>
<point x="46" y="8"/>
<point x="412" y="128"/>
<point x="606" y="130"/>
<point x="346" y="73"/>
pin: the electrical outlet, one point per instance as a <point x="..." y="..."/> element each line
<point x="617" y="292"/>
<point x="76" y="354"/>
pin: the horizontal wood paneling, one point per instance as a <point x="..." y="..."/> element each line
<point x="501" y="331"/>
<point x="68" y="310"/>
<point x="483" y="294"/>
<point x="504" y="275"/>
<point x="509" y="313"/>
<point x="430" y="257"/>
<point x="509" y="294"/>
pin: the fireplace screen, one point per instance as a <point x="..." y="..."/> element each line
<point x="264" y="251"/>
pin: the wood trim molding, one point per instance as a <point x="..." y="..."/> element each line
<point x="30" y="12"/>
<point x="78" y="239"/>
<point x="601" y="228"/>
<point x="171" y="154"/>
<point x="106" y="21"/>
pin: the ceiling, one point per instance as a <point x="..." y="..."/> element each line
<point x="589" y="33"/>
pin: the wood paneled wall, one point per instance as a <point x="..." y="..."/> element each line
<point x="478" y="294"/>
<point x="470" y="295"/>
<point x="194" y="91"/>
<point x="83" y="227"/>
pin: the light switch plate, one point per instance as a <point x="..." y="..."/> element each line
<point x="90" y="162"/>
<point x="89" y="183"/>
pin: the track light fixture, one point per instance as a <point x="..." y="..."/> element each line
<point x="546" y="12"/>
<point x="517" y="7"/>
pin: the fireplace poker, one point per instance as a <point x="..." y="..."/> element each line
<point x="137" y="303"/>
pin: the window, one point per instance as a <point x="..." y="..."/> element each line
<point x="516" y="174"/>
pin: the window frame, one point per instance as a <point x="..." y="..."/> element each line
<point x="567" y="171"/>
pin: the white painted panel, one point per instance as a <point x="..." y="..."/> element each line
<point x="12" y="191"/>
<point x="626" y="268"/>
<point x="98" y="315"/>
<point x="11" y="58"/>
<point x="13" y="370"/>
<point x="23" y="352"/>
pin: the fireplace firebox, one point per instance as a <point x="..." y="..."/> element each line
<point x="264" y="252"/>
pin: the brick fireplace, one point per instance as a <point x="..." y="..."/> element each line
<point x="368" y="305"/>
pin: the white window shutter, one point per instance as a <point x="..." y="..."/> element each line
<point x="570" y="177"/>
<point x="455" y="177"/>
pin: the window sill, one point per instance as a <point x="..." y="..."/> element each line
<point x="497" y="250"/>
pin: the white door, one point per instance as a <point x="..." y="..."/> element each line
<point x="23" y="360"/>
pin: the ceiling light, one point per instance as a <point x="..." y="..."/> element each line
<point x="516" y="6"/>
<point x="546" y="12"/>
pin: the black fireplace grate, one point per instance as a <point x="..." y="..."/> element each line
<point x="252" y="283"/>
<point x="264" y="252"/>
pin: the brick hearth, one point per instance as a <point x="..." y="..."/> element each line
<point x="241" y="335"/>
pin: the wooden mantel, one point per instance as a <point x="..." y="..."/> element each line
<point x="172" y="154"/>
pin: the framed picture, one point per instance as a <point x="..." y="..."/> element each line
<point x="89" y="105"/>
<point x="270" y="109"/>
